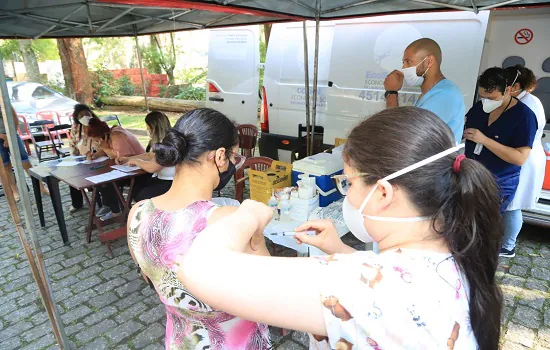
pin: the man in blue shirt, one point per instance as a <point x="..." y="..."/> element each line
<point x="422" y="67"/>
<point x="500" y="131"/>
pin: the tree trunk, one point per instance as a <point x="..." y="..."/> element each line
<point x="155" y="103"/>
<point x="67" y="75"/>
<point x="170" y="74"/>
<point x="75" y="69"/>
<point x="30" y="61"/>
<point x="267" y="33"/>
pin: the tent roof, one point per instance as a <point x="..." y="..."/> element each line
<point x="88" y="18"/>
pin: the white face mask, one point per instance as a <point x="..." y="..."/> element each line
<point x="410" y="76"/>
<point x="354" y="218"/>
<point x="491" y="105"/>
<point x="85" y="120"/>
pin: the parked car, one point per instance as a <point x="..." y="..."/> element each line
<point x="34" y="101"/>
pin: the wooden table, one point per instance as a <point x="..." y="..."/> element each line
<point x="75" y="176"/>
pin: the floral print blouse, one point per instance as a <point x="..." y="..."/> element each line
<point x="400" y="299"/>
<point x="156" y="237"/>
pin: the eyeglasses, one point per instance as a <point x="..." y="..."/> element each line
<point x="239" y="159"/>
<point x="342" y="183"/>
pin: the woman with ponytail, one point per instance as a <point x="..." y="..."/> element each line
<point x="435" y="217"/>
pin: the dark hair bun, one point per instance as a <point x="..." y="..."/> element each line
<point x="172" y="150"/>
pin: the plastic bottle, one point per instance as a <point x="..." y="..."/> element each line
<point x="273" y="204"/>
<point x="284" y="205"/>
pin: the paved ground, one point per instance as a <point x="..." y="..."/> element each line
<point x="106" y="305"/>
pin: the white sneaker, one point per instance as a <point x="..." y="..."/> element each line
<point x="103" y="211"/>
<point x="73" y="210"/>
<point x="109" y="215"/>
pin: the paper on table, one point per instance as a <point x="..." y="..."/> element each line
<point x="125" y="168"/>
<point x="68" y="163"/>
<point x="100" y="159"/>
<point x="111" y="175"/>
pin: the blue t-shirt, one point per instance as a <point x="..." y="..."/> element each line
<point x="446" y="101"/>
<point x="515" y="128"/>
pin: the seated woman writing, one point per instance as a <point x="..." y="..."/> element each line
<point x="158" y="125"/>
<point x="115" y="142"/>
<point x="202" y="147"/>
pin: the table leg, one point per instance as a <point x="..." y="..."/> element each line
<point x="38" y="199"/>
<point x="91" y="214"/>
<point x="53" y="187"/>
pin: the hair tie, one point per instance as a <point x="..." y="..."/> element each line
<point x="456" y="164"/>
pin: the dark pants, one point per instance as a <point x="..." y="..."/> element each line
<point x="154" y="187"/>
<point x="77" y="201"/>
<point x="110" y="197"/>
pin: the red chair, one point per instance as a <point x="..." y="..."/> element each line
<point x="56" y="118"/>
<point x="256" y="163"/>
<point x="24" y="132"/>
<point x="248" y="134"/>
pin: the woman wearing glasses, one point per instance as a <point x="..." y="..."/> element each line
<point x="435" y="217"/>
<point x="203" y="147"/>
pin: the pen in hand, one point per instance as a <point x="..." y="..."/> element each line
<point x="292" y="233"/>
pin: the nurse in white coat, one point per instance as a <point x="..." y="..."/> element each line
<point x="532" y="172"/>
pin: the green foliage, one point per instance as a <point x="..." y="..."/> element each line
<point x="8" y="48"/>
<point x="125" y="86"/>
<point x="193" y="75"/>
<point x="151" y="59"/>
<point x="57" y="85"/>
<point x="44" y="49"/>
<point x="104" y="83"/>
<point x="192" y="93"/>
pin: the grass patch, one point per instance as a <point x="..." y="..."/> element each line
<point x="131" y="121"/>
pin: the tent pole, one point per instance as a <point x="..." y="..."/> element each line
<point x="38" y="268"/>
<point x="315" y="70"/>
<point x="306" y="85"/>
<point x="143" y="84"/>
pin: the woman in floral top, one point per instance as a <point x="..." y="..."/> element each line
<point x="435" y="218"/>
<point x="203" y="147"/>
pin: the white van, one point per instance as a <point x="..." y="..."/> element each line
<point x="354" y="58"/>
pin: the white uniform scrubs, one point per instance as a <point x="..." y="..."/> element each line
<point x="532" y="172"/>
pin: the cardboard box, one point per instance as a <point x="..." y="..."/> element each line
<point x="263" y="182"/>
<point x="300" y="209"/>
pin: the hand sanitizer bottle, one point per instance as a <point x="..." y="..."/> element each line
<point x="273" y="203"/>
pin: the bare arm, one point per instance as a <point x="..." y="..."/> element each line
<point x="392" y="101"/>
<point x="516" y="156"/>
<point x="149" y="166"/>
<point x="217" y="271"/>
<point x="257" y="243"/>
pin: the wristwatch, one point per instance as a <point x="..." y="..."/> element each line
<point x="390" y="92"/>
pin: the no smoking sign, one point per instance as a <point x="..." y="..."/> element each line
<point x="523" y="36"/>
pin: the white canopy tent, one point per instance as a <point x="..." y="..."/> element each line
<point x="101" y="18"/>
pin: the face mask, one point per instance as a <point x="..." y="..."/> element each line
<point x="226" y="176"/>
<point x="410" y="76"/>
<point x="354" y="218"/>
<point x="491" y="105"/>
<point x="85" y="120"/>
<point x="522" y="95"/>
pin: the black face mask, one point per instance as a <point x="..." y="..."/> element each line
<point x="225" y="176"/>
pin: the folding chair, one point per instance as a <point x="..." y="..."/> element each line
<point x="46" y="145"/>
<point x="248" y="135"/>
<point x="55" y="137"/>
<point x="24" y="133"/>
<point x="109" y="118"/>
